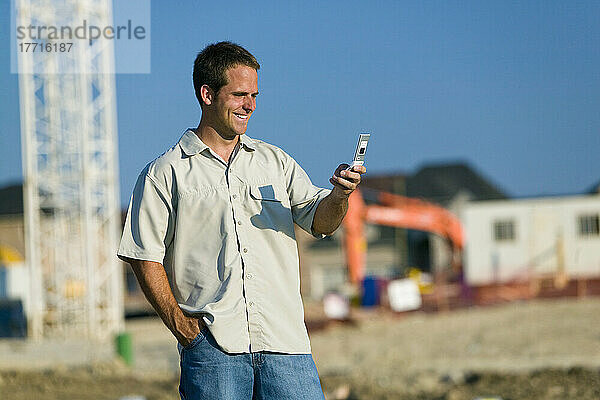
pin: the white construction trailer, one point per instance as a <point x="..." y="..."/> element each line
<point x="517" y="240"/>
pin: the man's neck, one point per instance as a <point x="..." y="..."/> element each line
<point x="221" y="145"/>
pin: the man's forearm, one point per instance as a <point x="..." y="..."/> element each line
<point x="332" y="209"/>
<point x="155" y="285"/>
<point x="330" y="213"/>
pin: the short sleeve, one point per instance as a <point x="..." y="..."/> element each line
<point x="149" y="225"/>
<point x="304" y="196"/>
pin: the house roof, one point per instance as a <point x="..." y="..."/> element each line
<point x="594" y="189"/>
<point x="392" y="183"/>
<point x="440" y="183"/>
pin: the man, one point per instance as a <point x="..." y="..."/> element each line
<point x="210" y="237"/>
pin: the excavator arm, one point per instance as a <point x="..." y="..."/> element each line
<point x="396" y="211"/>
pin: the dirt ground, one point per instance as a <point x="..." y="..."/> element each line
<point x="536" y="350"/>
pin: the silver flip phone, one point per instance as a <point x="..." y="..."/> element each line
<point x="361" y="149"/>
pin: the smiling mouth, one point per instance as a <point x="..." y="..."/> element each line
<point x="243" y="117"/>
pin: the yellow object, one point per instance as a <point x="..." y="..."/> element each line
<point x="425" y="285"/>
<point x="74" y="289"/>
<point x="9" y="255"/>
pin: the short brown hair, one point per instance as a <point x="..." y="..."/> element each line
<point x="212" y="63"/>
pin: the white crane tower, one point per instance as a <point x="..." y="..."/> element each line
<point x="72" y="215"/>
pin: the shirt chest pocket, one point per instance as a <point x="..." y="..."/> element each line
<point x="267" y="193"/>
<point x="270" y="207"/>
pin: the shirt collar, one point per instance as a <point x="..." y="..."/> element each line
<point x="191" y="144"/>
<point x="248" y="142"/>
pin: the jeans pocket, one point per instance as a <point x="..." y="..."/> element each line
<point x="199" y="338"/>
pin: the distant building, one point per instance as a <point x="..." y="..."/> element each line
<point x="444" y="183"/>
<point x="522" y="239"/>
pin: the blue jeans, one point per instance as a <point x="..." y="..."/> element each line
<point x="209" y="373"/>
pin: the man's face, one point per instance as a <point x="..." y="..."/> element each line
<point x="236" y="101"/>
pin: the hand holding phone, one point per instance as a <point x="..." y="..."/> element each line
<point x="348" y="179"/>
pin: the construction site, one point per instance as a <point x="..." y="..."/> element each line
<point x="438" y="285"/>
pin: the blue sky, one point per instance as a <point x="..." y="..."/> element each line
<point x="513" y="88"/>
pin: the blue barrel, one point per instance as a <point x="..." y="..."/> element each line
<point x="12" y="319"/>
<point x="370" y="295"/>
<point x="3" y="282"/>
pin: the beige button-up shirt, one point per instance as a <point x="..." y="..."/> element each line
<point x="225" y="236"/>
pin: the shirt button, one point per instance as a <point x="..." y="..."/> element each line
<point x="245" y="250"/>
<point x="239" y="222"/>
<point x="250" y="304"/>
<point x="234" y="196"/>
<point x="249" y="275"/>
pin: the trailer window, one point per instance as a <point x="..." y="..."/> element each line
<point x="504" y="230"/>
<point x="589" y="225"/>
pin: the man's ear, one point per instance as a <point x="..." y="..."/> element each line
<point x="207" y="95"/>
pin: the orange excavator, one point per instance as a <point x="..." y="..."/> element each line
<point x="396" y="211"/>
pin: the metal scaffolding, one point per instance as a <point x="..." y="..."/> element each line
<point x="72" y="215"/>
